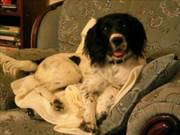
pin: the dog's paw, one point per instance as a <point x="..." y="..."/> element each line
<point x="26" y="65"/>
<point x="33" y="115"/>
<point x="13" y="66"/>
<point x="57" y="105"/>
<point x="9" y="68"/>
<point x="88" y="127"/>
<point x="101" y="117"/>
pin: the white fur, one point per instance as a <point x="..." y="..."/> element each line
<point x="102" y="85"/>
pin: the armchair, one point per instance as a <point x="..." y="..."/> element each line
<point x="150" y="108"/>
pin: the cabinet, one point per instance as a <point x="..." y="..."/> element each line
<point x="21" y="14"/>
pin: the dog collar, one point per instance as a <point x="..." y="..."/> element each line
<point x="116" y="61"/>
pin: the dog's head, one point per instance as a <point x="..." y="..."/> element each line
<point x="115" y="37"/>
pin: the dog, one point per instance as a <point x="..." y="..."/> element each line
<point x="113" y="45"/>
<point x="112" y="48"/>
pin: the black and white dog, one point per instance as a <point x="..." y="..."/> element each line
<point x="113" y="45"/>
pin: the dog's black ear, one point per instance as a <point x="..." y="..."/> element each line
<point x="95" y="46"/>
<point x="138" y="38"/>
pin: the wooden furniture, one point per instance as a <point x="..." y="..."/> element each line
<point x="35" y="28"/>
<point x="22" y="16"/>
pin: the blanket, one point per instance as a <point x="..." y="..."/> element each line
<point x="54" y="81"/>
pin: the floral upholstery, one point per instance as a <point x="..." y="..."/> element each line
<point x="160" y="18"/>
<point x="17" y="122"/>
<point x="6" y="95"/>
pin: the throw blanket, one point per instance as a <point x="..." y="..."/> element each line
<point x="38" y="90"/>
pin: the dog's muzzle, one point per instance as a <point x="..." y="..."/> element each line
<point x="119" y="46"/>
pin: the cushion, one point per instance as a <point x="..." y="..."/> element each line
<point x="6" y="94"/>
<point x="160" y="18"/>
<point x="154" y="74"/>
<point x="17" y="122"/>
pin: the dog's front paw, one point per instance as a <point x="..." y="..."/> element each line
<point x="101" y="117"/>
<point x="88" y="127"/>
<point x="57" y="105"/>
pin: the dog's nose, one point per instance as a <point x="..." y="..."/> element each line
<point x="117" y="41"/>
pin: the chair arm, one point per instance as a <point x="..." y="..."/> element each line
<point x="157" y="113"/>
<point x="153" y="75"/>
<point x="33" y="54"/>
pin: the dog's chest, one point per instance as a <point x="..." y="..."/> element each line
<point x="116" y="75"/>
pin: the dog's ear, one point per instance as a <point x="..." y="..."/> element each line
<point x="138" y="38"/>
<point x="95" y="45"/>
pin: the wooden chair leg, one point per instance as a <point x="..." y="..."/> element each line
<point x="162" y="124"/>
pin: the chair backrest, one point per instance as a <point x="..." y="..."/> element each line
<point x="161" y="19"/>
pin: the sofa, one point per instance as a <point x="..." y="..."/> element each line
<point x="151" y="107"/>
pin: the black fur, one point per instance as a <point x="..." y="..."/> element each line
<point x="97" y="39"/>
<point x="75" y="59"/>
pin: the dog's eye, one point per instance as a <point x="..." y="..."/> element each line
<point x="105" y="28"/>
<point x="124" y="26"/>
